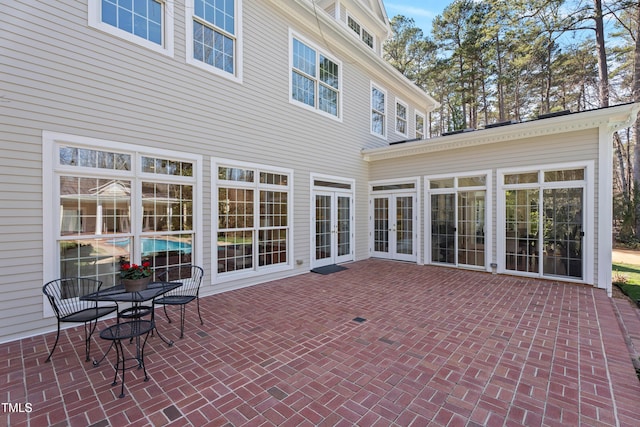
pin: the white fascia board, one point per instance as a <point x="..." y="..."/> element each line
<point x="342" y="41"/>
<point x="383" y="24"/>
<point x="613" y="118"/>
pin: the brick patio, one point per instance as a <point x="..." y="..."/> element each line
<point x="438" y="346"/>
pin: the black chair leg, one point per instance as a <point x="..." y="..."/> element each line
<point x="198" y="304"/>
<point x="104" y="356"/>
<point x="54" y="345"/>
<point x="88" y="333"/>
<point x="182" y="313"/>
<point x="164" y="306"/>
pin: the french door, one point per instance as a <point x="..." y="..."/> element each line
<point x="333" y="218"/>
<point x="394" y="226"/>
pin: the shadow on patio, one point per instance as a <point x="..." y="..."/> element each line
<point x="437" y="346"/>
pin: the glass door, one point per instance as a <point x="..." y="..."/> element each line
<point x="405" y="244"/>
<point x="394" y="227"/>
<point x="333" y="228"/>
<point x="544" y="222"/>
<point x="343" y="228"/>
<point x="457" y="228"/>
<point x="470" y="230"/>
<point x="443" y="228"/>
<point x="324" y="231"/>
<point x="562" y="239"/>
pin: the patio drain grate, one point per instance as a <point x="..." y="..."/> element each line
<point x="277" y="393"/>
<point x="172" y="413"/>
<point x="360" y="319"/>
<point x="202" y="334"/>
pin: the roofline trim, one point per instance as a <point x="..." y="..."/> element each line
<point x="614" y="118"/>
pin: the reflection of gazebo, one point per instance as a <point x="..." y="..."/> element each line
<point x="90" y="209"/>
<point x="161" y="207"/>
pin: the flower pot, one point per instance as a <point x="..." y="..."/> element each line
<point x="136" y="285"/>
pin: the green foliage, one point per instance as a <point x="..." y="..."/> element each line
<point x="627" y="278"/>
<point x="487" y="60"/>
<point x="625" y="210"/>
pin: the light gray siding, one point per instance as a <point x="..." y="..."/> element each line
<point x="61" y="75"/>
<point x="534" y="152"/>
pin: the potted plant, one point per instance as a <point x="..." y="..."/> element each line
<point x="135" y="277"/>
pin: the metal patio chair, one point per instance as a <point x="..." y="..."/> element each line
<point x="191" y="279"/>
<point x="64" y="296"/>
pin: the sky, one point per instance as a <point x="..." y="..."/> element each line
<point x="422" y="11"/>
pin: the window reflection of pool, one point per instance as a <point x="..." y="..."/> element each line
<point x="156" y="245"/>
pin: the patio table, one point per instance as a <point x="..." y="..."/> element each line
<point x="118" y="294"/>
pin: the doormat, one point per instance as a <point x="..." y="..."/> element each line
<point x="328" y="269"/>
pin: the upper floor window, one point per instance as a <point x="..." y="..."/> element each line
<point x="401" y="117"/>
<point x="148" y="23"/>
<point x="364" y="35"/>
<point x="315" y="78"/>
<point x="419" y="126"/>
<point x="378" y="111"/>
<point x="213" y="28"/>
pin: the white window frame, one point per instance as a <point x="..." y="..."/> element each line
<point x="316" y="108"/>
<point x="361" y="32"/>
<point x="168" y="13"/>
<point x="455" y="189"/>
<point x="256" y="186"/>
<point x="384" y="114"/>
<point x="417" y="223"/>
<point x="424" y="125"/>
<point x="405" y="119"/>
<point x="52" y="168"/>
<point x="336" y="188"/>
<point x="237" y="75"/>
<point x="589" y="229"/>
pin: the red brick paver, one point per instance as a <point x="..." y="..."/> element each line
<point x="437" y="346"/>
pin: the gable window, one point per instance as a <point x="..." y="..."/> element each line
<point x="419" y="126"/>
<point x="315" y="79"/>
<point x="145" y="22"/>
<point x="213" y="28"/>
<point x="364" y="35"/>
<point x="401" y="118"/>
<point x="378" y="114"/>
<point x="253" y="217"/>
<point x="111" y="203"/>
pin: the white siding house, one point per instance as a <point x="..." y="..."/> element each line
<point x="260" y="139"/>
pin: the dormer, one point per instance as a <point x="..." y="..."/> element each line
<point x="366" y="20"/>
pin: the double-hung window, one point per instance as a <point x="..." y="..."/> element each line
<point x="419" y="126"/>
<point x="253" y="217"/>
<point x="315" y="79"/>
<point x="111" y="203"/>
<point x="213" y="36"/>
<point x="378" y="111"/>
<point x="401" y="117"/>
<point x="148" y="23"/>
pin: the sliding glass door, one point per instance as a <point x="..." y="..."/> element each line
<point x="458" y="220"/>
<point x="544" y="222"/>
